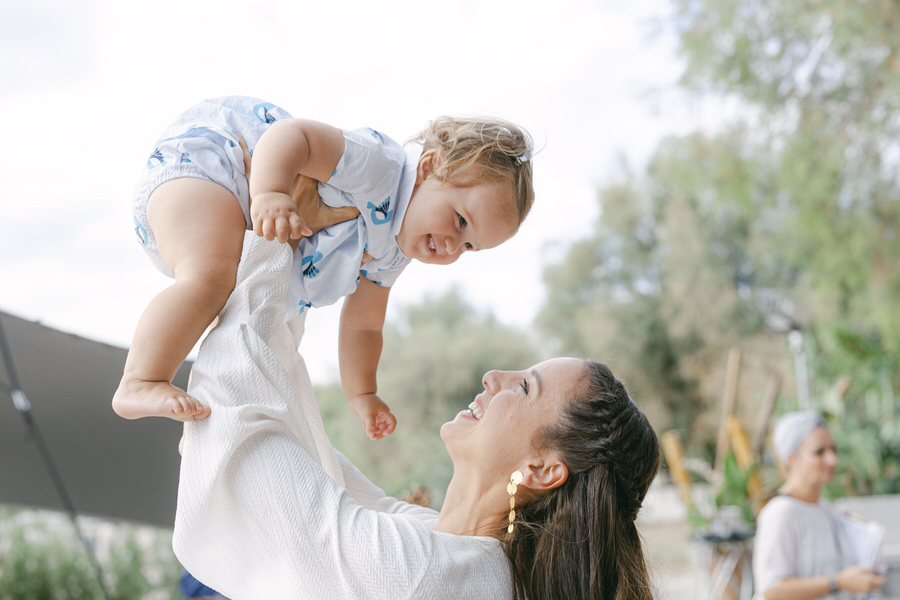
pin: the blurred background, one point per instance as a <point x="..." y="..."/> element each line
<point x="717" y="212"/>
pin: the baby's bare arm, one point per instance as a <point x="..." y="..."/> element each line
<point x="289" y="148"/>
<point x="362" y="320"/>
<point x="275" y="217"/>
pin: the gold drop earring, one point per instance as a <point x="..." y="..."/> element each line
<point x="514" y="480"/>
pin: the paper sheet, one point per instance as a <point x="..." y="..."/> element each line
<point x="865" y="537"/>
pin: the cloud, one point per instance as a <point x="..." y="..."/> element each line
<point x="92" y="83"/>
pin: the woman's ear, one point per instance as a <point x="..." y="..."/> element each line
<point x="427" y="164"/>
<point x="545" y="474"/>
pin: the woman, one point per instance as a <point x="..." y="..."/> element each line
<point x="550" y="468"/>
<point x="800" y="551"/>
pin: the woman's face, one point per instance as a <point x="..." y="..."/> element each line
<point x="815" y="460"/>
<point x="497" y="432"/>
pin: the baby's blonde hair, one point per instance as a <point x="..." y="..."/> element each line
<point x="497" y="149"/>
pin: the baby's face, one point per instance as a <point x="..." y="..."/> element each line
<point x="444" y="220"/>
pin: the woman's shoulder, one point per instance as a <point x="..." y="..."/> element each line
<point x="477" y="567"/>
<point x="785" y="509"/>
<point x="780" y="505"/>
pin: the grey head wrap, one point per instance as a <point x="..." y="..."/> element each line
<point x="792" y="429"/>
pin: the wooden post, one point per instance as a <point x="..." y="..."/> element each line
<point x="840" y="387"/>
<point x="764" y="416"/>
<point x="744" y="456"/>
<point x="671" y="446"/>
<point x="729" y="403"/>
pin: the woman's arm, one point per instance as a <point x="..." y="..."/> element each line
<point x="370" y="496"/>
<point x="859" y="580"/>
<point x="799" y="588"/>
<point x="257" y="516"/>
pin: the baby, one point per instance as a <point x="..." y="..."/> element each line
<point x="466" y="185"/>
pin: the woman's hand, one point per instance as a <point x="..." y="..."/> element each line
<point x="859" y="580"/>
<point x="314" y="212"/>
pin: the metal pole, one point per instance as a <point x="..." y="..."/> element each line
<point x="795" y="342"/>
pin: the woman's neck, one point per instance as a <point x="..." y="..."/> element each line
<point x="807" y="492"/>
<point x="472" y="509"/>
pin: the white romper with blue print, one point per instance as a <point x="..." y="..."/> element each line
<point x="375" y="174"/>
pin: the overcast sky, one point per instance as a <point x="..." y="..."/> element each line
<point x="87" y="87"/>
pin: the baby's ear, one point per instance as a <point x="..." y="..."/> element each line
<point x="428" y="162"/>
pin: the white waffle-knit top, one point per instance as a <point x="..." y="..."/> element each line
<point x="259" y="516"/>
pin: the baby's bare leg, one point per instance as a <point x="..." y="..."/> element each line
<point x="200" y="228"/>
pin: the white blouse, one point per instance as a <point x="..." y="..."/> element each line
<point x="259" y="517"/>
<point x="798" y="539"/>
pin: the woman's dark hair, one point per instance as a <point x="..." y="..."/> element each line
<point x="579" y="540"/>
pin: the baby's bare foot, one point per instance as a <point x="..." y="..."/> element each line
<point x="136" y="399"/>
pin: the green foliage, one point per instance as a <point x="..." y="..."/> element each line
<point x="46" y="571"/>
<point x="733" y="491"/>
<point x="788" y="216"/>
<point x="435" y="354"/>
<point x="822" y="81"/>
<point x="865" y="422"/>
<point x="667" y="282"/>
<point x="40" y="559"/>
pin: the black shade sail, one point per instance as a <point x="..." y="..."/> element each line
<point x="111" y="467"/>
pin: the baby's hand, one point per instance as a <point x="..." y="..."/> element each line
<point x="376" y="415"/>
<point x="274" y="215"/>
<point x="270" y="214"/>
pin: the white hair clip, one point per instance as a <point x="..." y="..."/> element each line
<point x="523" y="158"/>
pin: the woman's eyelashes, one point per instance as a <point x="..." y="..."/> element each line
<point x="524" y="385"/>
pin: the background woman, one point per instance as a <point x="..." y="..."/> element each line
<point x="561" y="444"/>
<point x="800" y="552"/>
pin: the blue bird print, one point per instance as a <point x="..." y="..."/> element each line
<point x="377" y="136"/>
<point x="185" y="157"/>
<point x="309" y="265"/>
<point x="140" y="231"/>
<point x="303" y="306"/>
<point x="156" y="159"/>
<point x="262" y="113"/>
<point x="382" y="213"/>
